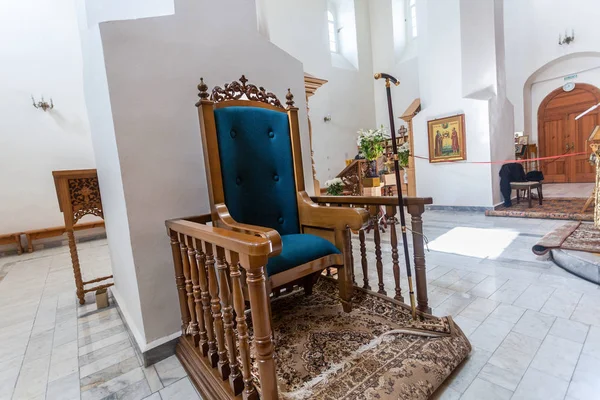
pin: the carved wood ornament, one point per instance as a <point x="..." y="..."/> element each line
<point x="236" y="89"/>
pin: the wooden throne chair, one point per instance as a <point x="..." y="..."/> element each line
<point x="256" y="186"/>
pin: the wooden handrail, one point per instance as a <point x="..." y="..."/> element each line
<point x="225" y="238"/>
<point x="372" y="200"/>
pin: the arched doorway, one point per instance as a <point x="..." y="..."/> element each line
<point x="559" y="133"/>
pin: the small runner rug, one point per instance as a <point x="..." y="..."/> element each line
<point x="571" y="236"/>
<point x="375" y="352"/>
<point x="552" y="208"/>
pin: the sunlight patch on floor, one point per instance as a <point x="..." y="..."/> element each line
<point x="474" y="242"/>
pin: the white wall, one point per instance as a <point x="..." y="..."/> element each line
<point x="531" y="34"/>
<point x="447" y="58"/>
<point x="396" y="53"/>
<point x="152" y="67"/>
<point x="300" y="28"/>
<point x="39" y="55"/>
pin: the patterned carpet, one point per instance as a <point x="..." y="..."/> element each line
<point x="572" y="236"/>
<point x="375" y="352"/>
<point x="565" y="208"/>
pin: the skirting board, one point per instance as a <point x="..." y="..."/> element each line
<point x="458" y="208"/>
<point x="154" y="354"/>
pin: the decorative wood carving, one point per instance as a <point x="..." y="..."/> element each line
<point x="85" y="198"/>
<point x="236" y="89"/>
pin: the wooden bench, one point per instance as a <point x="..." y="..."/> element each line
<point x="37" y="234"/>
<point x="526" y="187"/>
<point x="12" y="238"/>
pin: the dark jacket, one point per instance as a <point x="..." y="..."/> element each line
<point x="512" y="172"/>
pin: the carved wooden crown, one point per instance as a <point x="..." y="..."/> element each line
<point x="236" y="89"/>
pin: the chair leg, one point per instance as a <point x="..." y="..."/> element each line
<point x="529" y="196"/>
<point x="539" y="192"/>
<point x="518" y="197"/>
<point x="308" y="282"/>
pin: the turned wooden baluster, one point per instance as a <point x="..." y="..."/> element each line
<point x="235" y="379"/>
<point x="261" y="323"/>
<point x="208" y="319"/>
<point x="390" y="212"/>
<point x="215" y="303"/>
<point x="379" y="264"/>
<point x="194" y="292"/>
<point x="416" y="210"/>
<point x="180" y="281"/>
<point x="76" y="267"/>
<point x="363" y="259"/>
<point x="188" y="284"/>
<point x="197" y="265"/>
<point x="237" y="285"/>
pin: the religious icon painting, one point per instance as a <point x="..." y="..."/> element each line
<point x="447" y="140"/>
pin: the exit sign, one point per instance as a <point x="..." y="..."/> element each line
<point x="569" y="77"/>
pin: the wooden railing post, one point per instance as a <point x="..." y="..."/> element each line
<point x="249" y="392"/>
<point x="234" y="372"/>
<point x="213" y="355"/>
<point x="415" y="211"/>
<point x="261" y="322"/>
<point x="363" y="259"/>
<point x="215" y="306"/>
<point x="188" y="284"/>
<point x="198" y="269"/>
<point x="179" y="281"/>
<point x="374" y="210"/>
<point x="390" y="212"/>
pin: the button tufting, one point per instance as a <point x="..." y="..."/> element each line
<point x="238" y="180"/>
<point x="276" y="177"/>
<point x="280" y="220"/>
<point x="233" y="133"/>
<point x="271" y="134"/>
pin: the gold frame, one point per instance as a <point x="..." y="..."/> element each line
<point x="462" y="139"/>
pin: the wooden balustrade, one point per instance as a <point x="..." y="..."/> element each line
<point x="208" y="273"/>
<point x="386" y="207"/>
<point x="218" y="272"/>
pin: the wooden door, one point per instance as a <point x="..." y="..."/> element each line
<point x="560" y="134"/>
<point x="554" y="144"/>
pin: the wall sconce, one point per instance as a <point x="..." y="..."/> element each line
<point x="327" y="118"/>
<point x="567" y="39"/>
<point x="43" y="104"/>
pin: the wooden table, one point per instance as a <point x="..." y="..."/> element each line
<point x="78" y="195"/>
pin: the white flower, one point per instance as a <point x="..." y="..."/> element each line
<point x="334" y="181"/>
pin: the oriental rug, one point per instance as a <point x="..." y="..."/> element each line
<point x="571" y="236"/>
<point x="374" y="352"/>
<point x="567" y="208"/>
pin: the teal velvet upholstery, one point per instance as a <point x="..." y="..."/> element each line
<point x="257" y="167"/>
<point x="298" y="249"/>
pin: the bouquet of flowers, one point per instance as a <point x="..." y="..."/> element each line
<point x="335" y="187"/>
<point x="403" y="153"/>
<point x="371" y="142"/>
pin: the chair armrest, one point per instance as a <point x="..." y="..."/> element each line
<point x="330" y="217"/>
<point x="227" y="221"/>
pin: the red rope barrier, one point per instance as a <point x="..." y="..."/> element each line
<point x="514" y="161"/>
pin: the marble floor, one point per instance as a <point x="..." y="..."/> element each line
<point x="52" y="348"/>
<point x="535" y="329"/>
<point x="568" y="189"/>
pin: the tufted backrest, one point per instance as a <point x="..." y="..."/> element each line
<point x="257" y="167"/>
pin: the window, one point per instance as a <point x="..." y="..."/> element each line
<point x="412" y="8"/>
<point x="333" y="39"/>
